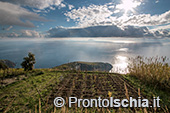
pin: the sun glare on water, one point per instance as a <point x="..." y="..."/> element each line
<point x="120" y="65"/>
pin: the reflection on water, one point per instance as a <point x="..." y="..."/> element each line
<point x="56" y="51"/>
<point x="123" y="49"/>
<point x="120" y="65"/>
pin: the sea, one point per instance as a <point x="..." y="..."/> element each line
<point x="51" y="52"/>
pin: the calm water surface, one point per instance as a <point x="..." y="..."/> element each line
<point x="56" y="51"/>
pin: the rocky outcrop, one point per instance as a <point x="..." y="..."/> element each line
<point x="86" y="66"/>
<point x="4" y="64"/>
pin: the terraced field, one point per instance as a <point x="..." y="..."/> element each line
<point x="90" y="86"/>
<point x="38" y="90"/>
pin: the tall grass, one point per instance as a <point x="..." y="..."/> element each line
<point x="153" y="70"/>
<point x="11" y="72"/>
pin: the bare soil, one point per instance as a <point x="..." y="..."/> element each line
<point x="90" y="86"/>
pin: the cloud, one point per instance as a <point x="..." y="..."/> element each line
<point x="146" y="19"/>
<point x="38" y="4"/>
<point x="30" y="33"/>
<point x="93" y="31"/>
<point x="162" y="27"/>
<point x="70" y="7"/>
<point x="8" y="28"/>
<point x="23" y="34"/>
<point x="157" y="1"/>
<point x="11" y="14"/>
<point x="8" y="35"/>
<point x="161" y="33"/>
<point x="100" y="31"/>
<point x="91" y="15"/>
<point x="107" y="14"/>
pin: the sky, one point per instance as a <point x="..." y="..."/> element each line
<point x="76" y="18"/>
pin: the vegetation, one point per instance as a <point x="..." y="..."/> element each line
<point x="35" y="90"/>
<point x="10" y="73"/>
<point x="26" y="91"/>
<point x="28" y="63"/>
<point x="86" y="66"/>
<point x="154" y="71"/>
<point x="150" y="91"/>
<point x="152" y="75"/>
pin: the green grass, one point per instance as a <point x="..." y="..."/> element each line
<point x="25" y="91"/>
<point x="24" y="94"/>
<point x="11" y="72"/>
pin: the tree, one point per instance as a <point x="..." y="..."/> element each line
<point x="28" y="63"/>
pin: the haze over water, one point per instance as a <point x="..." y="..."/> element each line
<point x="52" y="52"/>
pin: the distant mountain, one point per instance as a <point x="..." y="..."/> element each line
<point x="101" y="31"/>
<point x="4" y="64"/>
<point x="86" y="66"/>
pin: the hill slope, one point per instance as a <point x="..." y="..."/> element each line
<point x="86" y="66"/>
<point x="6" y="64"/>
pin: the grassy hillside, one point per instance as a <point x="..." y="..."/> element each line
<point x="32" y="91"/>
<point x="35" y="90"/>
<point x="25" y="91"/>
